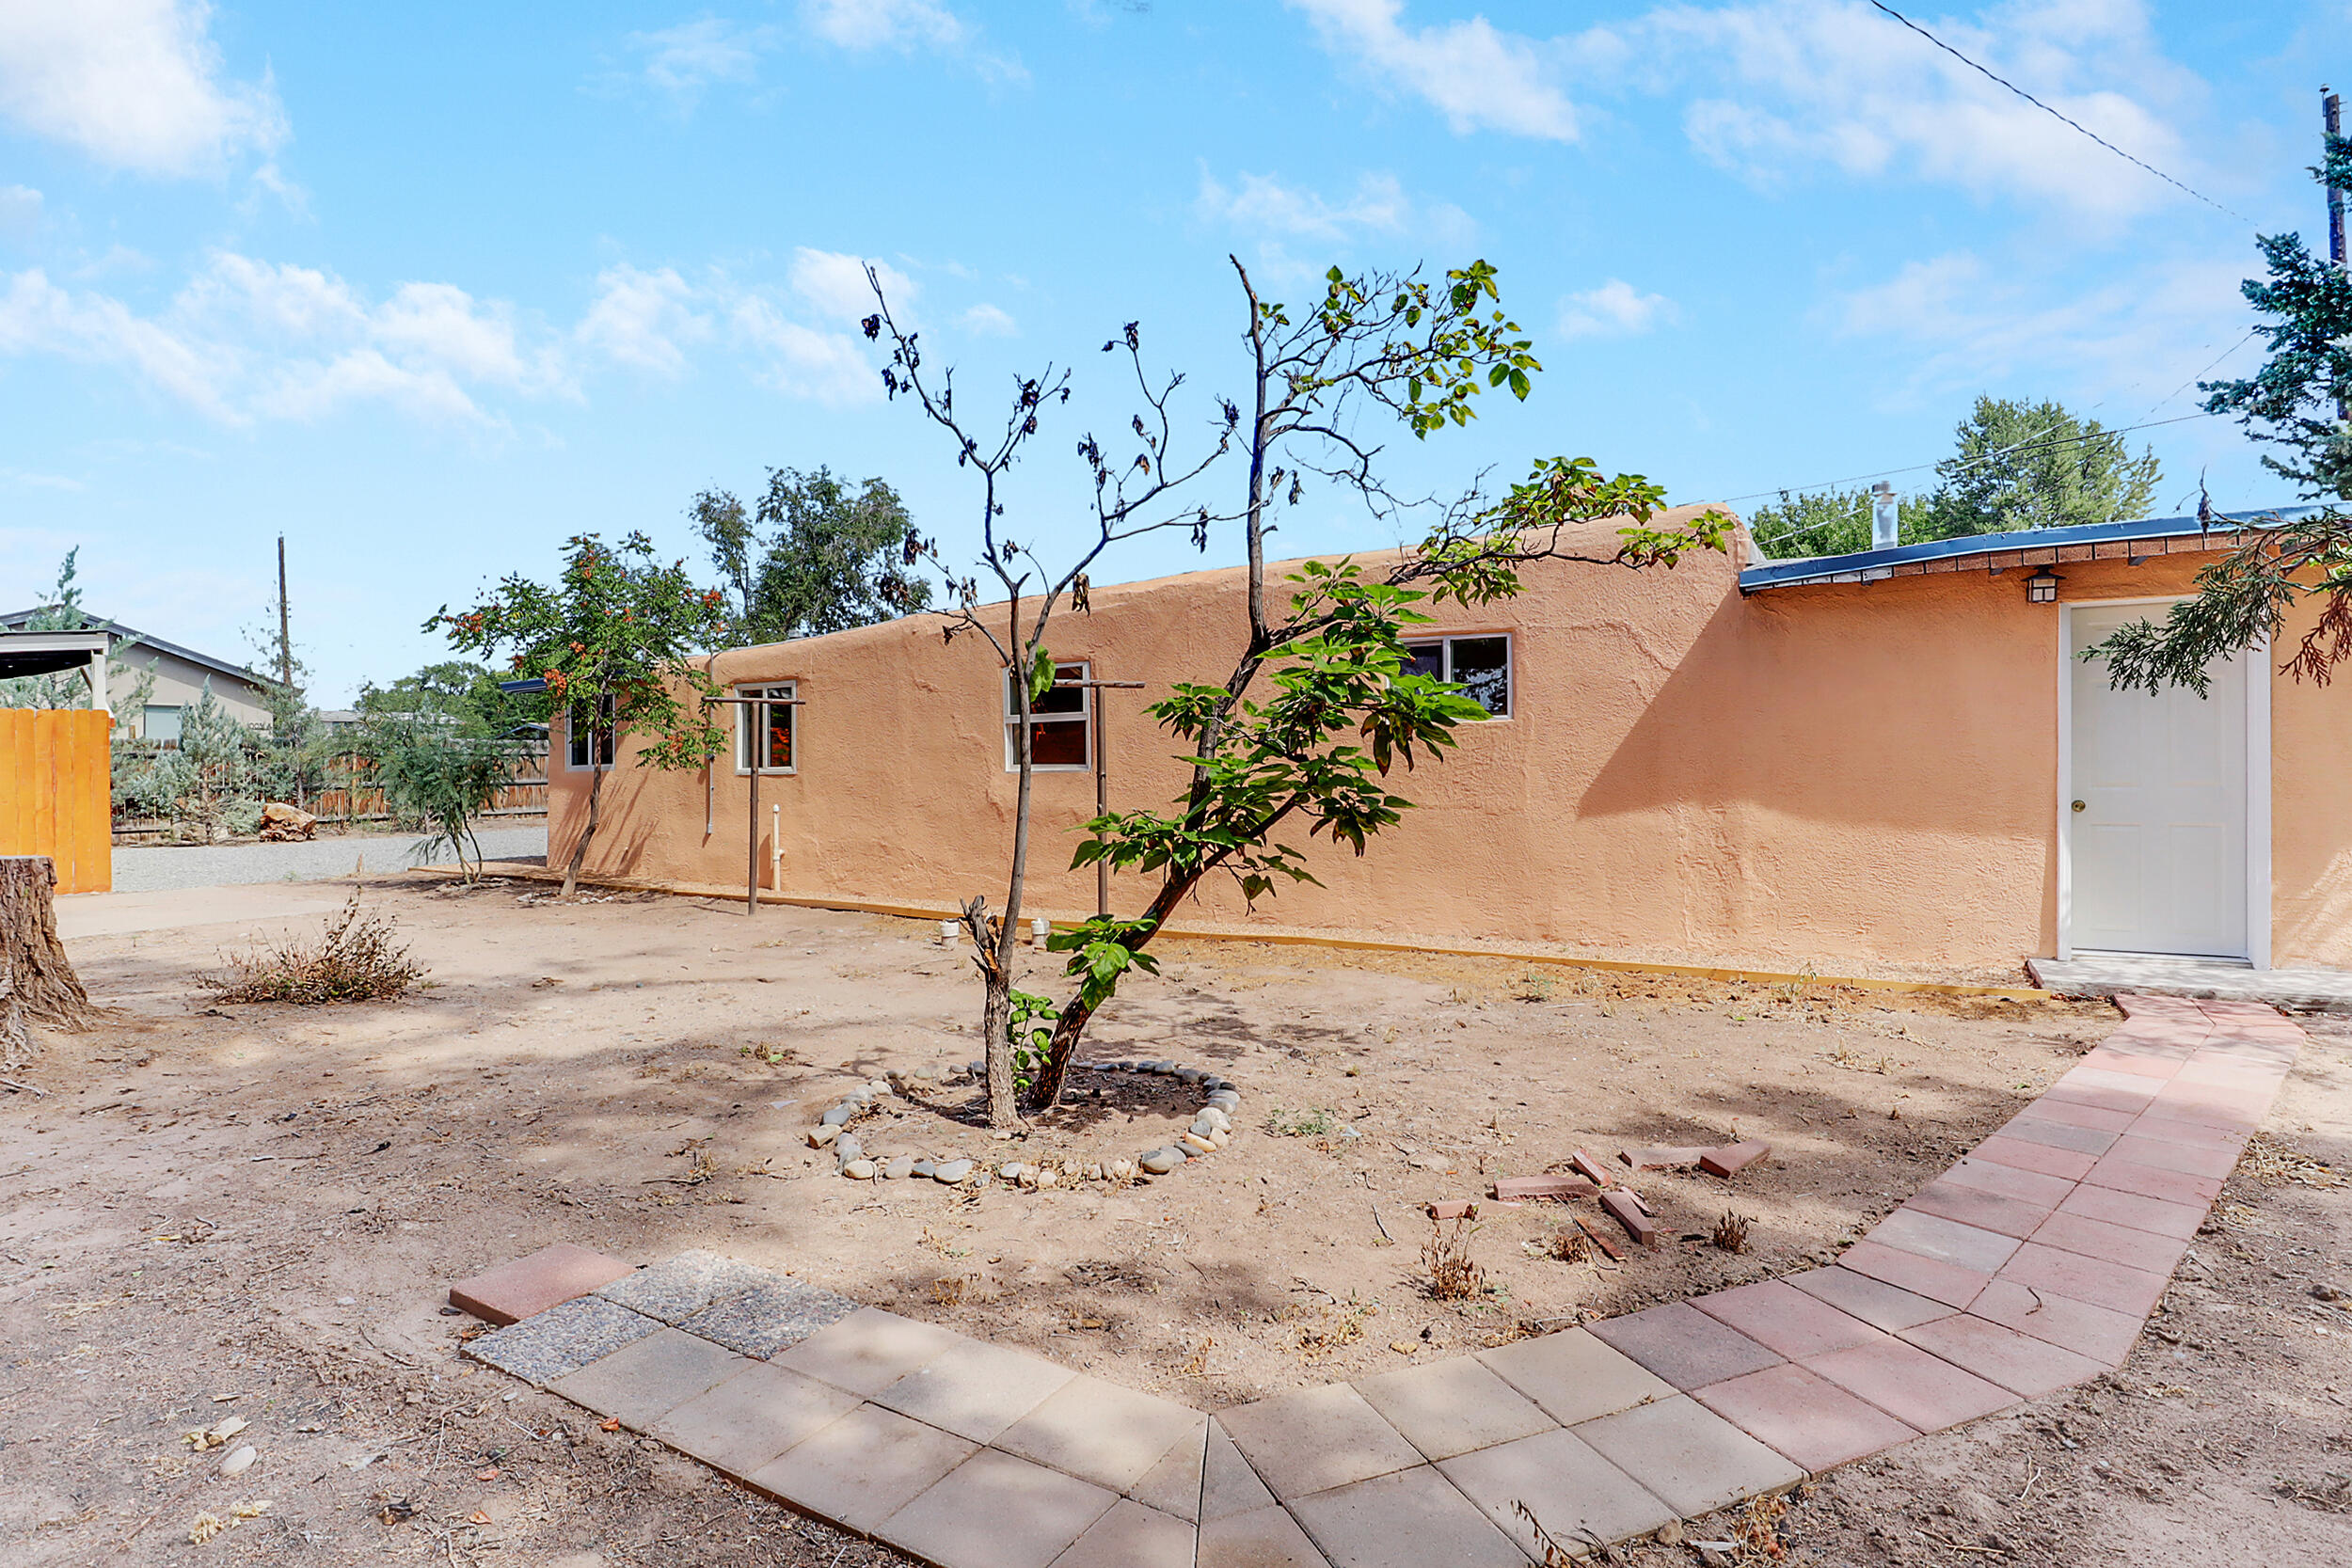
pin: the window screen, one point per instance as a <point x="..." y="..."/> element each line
<point x="1481" y="666"/>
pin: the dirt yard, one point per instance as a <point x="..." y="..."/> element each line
<point x="254" y="1212"/>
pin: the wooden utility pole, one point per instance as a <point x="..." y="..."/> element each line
<point x="285" y="646"/>
<point x="2331" y="113"/>
<point x="2331" y="116"/>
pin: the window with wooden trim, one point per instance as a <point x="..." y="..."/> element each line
<point x="589" y="744"/>
<point x="1061" y="734"/>
<point x="1481" y="666"/>
<point x="774" y="739"/>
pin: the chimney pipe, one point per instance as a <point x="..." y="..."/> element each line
<point x="1885" y="522"/>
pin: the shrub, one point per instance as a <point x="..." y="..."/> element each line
<point x="357" y="958"/>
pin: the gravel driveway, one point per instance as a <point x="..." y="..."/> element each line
<point x="156" y="868"/>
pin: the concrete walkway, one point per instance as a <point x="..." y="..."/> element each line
<point x="2030" y="1265"/>
<point x="2116" y="974"/>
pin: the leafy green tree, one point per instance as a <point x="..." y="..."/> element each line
<point x="463" y="697"/>
<point x="2292" y="405"/>
<point x="1831" y="522"/>
<point x="616" y="636"/>
<point x="813" y="556"/>
<point x="1321" y="704"/>
<point x="443" y="781"/>
<point x="2021" y="465"/>
<point x="2014" y="465"/>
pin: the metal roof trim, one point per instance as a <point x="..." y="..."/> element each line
<point x="1807" y="569"/>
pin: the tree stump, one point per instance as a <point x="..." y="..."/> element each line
<point x="36" y="980"/>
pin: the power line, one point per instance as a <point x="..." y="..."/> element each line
<point x="2030" y="444"/>
<point x="2054" y="114"/>
<point x="1917" y="468"/>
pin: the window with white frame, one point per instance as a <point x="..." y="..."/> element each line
<point x="1481" y="666"/>
<point x="1060" y="730"/>
<point x="772" y="739"/>
<point x="590" y="745"/>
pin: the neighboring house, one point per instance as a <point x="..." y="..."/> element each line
<point x="1891" y="760"/>
<point x="181" y="675"/>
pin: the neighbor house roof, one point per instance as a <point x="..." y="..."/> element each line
<point x="1998" y="552"/>
<point x="16" y="619"/>
<point x="47" y="652"/>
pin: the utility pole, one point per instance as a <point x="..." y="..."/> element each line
<point x="2332" y="111"/>
<point x="285" y="647"/>
<point x="2331" y="115"/>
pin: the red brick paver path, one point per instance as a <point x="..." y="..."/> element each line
<point x="2029" y="1266"/>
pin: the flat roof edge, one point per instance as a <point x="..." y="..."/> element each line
<point x="1821" y="568"/>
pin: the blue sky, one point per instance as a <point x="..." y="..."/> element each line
<point x="429" y="288"/>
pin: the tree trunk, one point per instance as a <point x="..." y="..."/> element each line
<point x="580" y="849"/>
<point x="37" y="979"/>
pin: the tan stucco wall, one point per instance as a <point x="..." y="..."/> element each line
<point x="178" y="683"/>
<point x="1846" y="776"/>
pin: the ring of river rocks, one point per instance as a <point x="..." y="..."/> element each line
<point x="1211" y="1130"/>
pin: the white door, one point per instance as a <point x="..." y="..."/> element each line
<point x="2157" y="812"/>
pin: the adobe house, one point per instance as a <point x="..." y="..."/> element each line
<point x="1886" y="762"/>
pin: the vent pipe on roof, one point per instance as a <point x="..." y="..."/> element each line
<point x="1885" y="523"/>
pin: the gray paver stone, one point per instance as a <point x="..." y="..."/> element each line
<point x="1033" y="1513"/>
<point x="1406" y="1519"/>
<point x="752" y="1416"/>
<point x="646" y="1380"/>
<point x="863" y="1468"/>
<point x="975" y="1390"/>
<point x="1132" y="1536"/>
<point x="561" y="1339"/>
<point x="677" y="1290"/>
<point x="1103" y="1432"/>
<point x="770" y="1317"/>
<point x="1687" y="1456"/>
<point x="1571" y="1490"/>
<point x="1316" y="1439"/>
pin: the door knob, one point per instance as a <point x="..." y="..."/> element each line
<point x="2078" y="805"/>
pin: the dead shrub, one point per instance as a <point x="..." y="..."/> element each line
<point x="1445" y="1257"/>
<point x="950" y="1290"/>
<point x="1569" y="1245"/>
<point x="359" y="958"/>
<point x="1731" y="1232"/>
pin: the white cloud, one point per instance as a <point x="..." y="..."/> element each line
<point x="835" y="284"/>
<point x="247" y="338"/>
<point x="1480" y="78"/>
<point x="38" y="317"/>
<point x="642" y="319"/>
<point x="1616" y="310"/>
<point x="135" y="84"/>
<point x="907" y="25"/>
<point x="20" y="212"/>
<point x="1262" y="204"/>
<point x="1801" y="82"/>
<point x="684" y="59"/>
<point x="1961" y="326"/>
<point x="987" y="321"/>
<point x="871" y="24"/>
<point x="1777" y="87"/>
<point x="805" y="361"/>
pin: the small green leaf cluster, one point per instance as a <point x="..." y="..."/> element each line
<point x="617" y="627"/>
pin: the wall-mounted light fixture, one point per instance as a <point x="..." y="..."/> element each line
<point x="2042" y="588"/>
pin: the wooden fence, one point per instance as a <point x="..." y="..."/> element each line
<point x="343" y="789"/>
<point x="53" y="788"/>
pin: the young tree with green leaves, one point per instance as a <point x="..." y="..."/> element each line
<point x="1320" y="705"/>
<point x="617" y="636"/>
<point x="442" y="779"/>
<point x="459" y="696"/>
<point x="813" y="556"/>
<point x="2292" y="405"/>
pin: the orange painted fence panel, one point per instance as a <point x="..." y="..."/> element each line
<point x="56" y="792"/>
